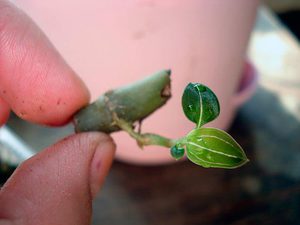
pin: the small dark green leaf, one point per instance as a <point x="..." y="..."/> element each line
<point x="177" y="152"/>
<point x="200" y="104"/>
<point x="210" y="147"/>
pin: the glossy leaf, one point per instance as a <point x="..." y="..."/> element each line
<point x="200" y="104"/>
<point x="210" y="147"/>
<point x="177" y="152"/>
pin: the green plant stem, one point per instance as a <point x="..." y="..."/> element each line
<point x="131" y="103"/>
<point x="146" y="138"/>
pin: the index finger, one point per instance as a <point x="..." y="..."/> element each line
<point x="35" y="81"/>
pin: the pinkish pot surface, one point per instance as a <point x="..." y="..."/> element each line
<point x="112" y="43"/>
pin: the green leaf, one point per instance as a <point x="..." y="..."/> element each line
<point x="177" y="152"/>
<point x="211" y="147"/>
<point x="200" y="104"/>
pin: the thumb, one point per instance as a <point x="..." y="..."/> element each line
<point x="57" y="185"/>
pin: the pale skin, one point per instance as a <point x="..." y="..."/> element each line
<point x="57" y="185"/>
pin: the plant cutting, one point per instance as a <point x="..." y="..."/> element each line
<point x="125" y="108"/>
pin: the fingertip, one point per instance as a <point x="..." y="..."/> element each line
<point x="4" y="111"/>
<point x="40" y="86"/>
<point x="56" y="186"/>
<point x="101" y="164"/>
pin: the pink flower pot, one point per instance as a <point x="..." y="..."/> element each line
<point x="112" y="43"/>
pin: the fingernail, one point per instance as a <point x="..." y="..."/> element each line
<point x="100" y="165"/>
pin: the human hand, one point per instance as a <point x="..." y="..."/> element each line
<point x="57" y="185"/>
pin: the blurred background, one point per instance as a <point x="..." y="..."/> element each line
<point x="267" y="125"/>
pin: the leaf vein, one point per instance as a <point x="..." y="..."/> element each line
<point x="201" y="106"/>
<point x="212" y="136"/>
<point x="211" y="150"/>
<point x="208" y="162"/>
